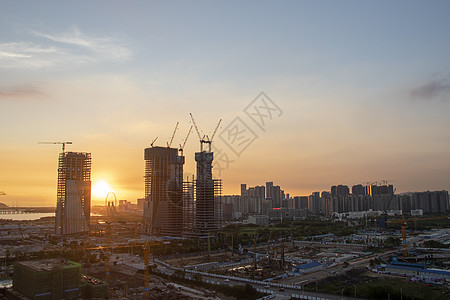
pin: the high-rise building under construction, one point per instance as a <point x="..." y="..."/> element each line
<point x="73" y="207"/>
<point x="163" y="205"/>
<point x="208" y="192"/>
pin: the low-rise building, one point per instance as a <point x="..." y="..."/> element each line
<point x="309" y="267"/>
<point x="262" y="220"/>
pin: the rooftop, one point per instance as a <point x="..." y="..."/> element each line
<point x="308" y="265"/>
<point x="47" y="264"/>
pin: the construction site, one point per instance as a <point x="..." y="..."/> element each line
<point x="176" y="207"/>
<point x="177" y="245"/>
<point x="119" y="260"/>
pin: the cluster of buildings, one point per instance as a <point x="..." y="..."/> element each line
<point x="171" y="207"/>
<point x="271" y="201"/>
<point x="175" y="206"/>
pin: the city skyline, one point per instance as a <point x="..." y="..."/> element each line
<point x="362" y="89"/>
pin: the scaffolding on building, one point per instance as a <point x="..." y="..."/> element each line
<point x="208" y="207"/>
<point x="188" y="207"/>
<point x="163" y="209"/>
<point x="74" y="178"/>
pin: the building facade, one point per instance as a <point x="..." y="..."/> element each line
<point x="208" y="193"/>
<point x="73" y="207"/>
<point x="163" y="204"/>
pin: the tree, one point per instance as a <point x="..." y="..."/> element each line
<point x="434" y="244"/>
<point x="392" y="242"/>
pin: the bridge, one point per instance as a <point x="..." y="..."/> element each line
<point x="25" y="210"/>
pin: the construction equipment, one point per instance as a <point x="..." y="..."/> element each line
<point x="58" y="143"/>
<point x="171" y="139"/>
<point x="147" y="266"/>
<point x="151" y="144"/>
<point x="215" y="130"/>
<point x="205" y="139"/>
<point x="390" y="200"/>
<point x="405" y="250"/>
<point x="185" y="140"/>
<point x="403" y="222"/>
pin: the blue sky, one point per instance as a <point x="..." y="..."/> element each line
<point x="364" y="87"/>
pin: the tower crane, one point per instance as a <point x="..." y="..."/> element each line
<point x="205" y="139"/>
<point x="58" y="143"/>
<point x="390" y="200"/>
<point x="215" y="130"/>
<point x="151" y="144"/>
<point x="405" y="249"/>
<point x="171" y="139"/>
<point x="185" y="140"/>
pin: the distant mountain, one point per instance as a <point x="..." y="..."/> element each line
<point x="3" y="205"/>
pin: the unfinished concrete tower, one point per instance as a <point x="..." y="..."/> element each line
<point x="208" y="191"/>
<point x="73" y="207"/>
<point x="163" y="206"/>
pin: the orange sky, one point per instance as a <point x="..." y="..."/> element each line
<point x="361" y="100"/>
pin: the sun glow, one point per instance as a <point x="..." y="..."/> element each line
<point x="101" y="189"/>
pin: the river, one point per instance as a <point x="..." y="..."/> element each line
<point x="26" y="217"/>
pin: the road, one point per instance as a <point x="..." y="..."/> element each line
<point x="279" y="293"/>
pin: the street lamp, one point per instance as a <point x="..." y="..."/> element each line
<point x="342" y="293"/>
<point x="355" y="290"/>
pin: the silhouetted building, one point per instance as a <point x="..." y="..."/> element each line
<point x="269" y="190"/>
<point x="382" y="196"/>
<point x="73" y="207"/>
<point x="341" y="190"/>
<point x="304" y="202"/>
<point x="243" y="190"/>
<point x="374" y="190"/>
<point x="276" y="196"/>
<point x="163" y="207"/>
<point x="358" y="190"/>
<point x="431" y="202"/>
<point x="208" y="193"/>
<point x="328" y="202"/>
<point x="315" y="202"/>
<point x="253" y="198"/>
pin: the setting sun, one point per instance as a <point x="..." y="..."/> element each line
<point x="101" y="189"/>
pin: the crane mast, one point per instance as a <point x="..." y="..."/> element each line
<point x="185" y="140"/>
<point x="58" y="143"/>
<point x="171" y="139"/>
<point x="151" y="144"/>
<point x="205" y="139"/>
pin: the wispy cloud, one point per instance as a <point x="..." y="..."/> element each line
<point x="103" y="46"/>
<point x="436" y="88"/>
<point x="31" y="55"/>
<point x="61" y="49"/>
<point x="20" y="91"/>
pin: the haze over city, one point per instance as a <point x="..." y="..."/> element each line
<point x="363" y="90"/>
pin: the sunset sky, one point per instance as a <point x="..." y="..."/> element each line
<point x="361" y="91"/>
